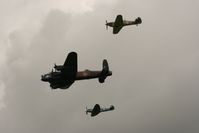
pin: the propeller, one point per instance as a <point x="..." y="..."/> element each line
<point x="106" y="25"/>
<point x="86" y="110"/>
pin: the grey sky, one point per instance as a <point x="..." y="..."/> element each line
<point x="154" y="85"/>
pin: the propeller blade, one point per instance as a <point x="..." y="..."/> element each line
<point x="106" y="25"/>
<point x="86" y="110"/>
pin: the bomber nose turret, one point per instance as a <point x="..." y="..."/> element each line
<point x="42" y="78"/>
<point x="45" y="78"/>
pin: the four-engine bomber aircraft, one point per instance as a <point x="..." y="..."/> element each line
<point x="119" y="23"/>
<point x="97" y="109"/>
<point x="65" y="75"/>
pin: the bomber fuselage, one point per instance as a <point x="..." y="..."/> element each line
<point x="87" y="74"/>
<point x="58" y="80"/>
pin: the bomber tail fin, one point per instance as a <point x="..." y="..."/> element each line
<point x="105" y="71"/>
<point x="138" y="20"/>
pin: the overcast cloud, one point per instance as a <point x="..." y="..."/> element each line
<point x="154" y="85"/>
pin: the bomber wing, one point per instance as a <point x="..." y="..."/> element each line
<point x="70" y="66"/>
<point x="62" y="84"/>
<point x="67" y="85"/>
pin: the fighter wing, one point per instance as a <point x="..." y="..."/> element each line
<point x="118" y="21"/>
<point x="70" y="65"/>
<point x="118" y="24"/>
<point x="116" y="29"/>
<point x="96" y="110"/>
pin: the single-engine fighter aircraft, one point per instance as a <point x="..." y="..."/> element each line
<point x="97" y="109"/>
<point x="65" y="75"/>
<point x="119" y="23"/>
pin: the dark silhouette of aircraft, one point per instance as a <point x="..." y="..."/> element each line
<point x="97" y="109"/>
<point x="65" y="75"/>
<point x="119" y="23"/>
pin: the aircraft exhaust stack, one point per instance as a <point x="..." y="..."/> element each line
<point x="105" y="71"/>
